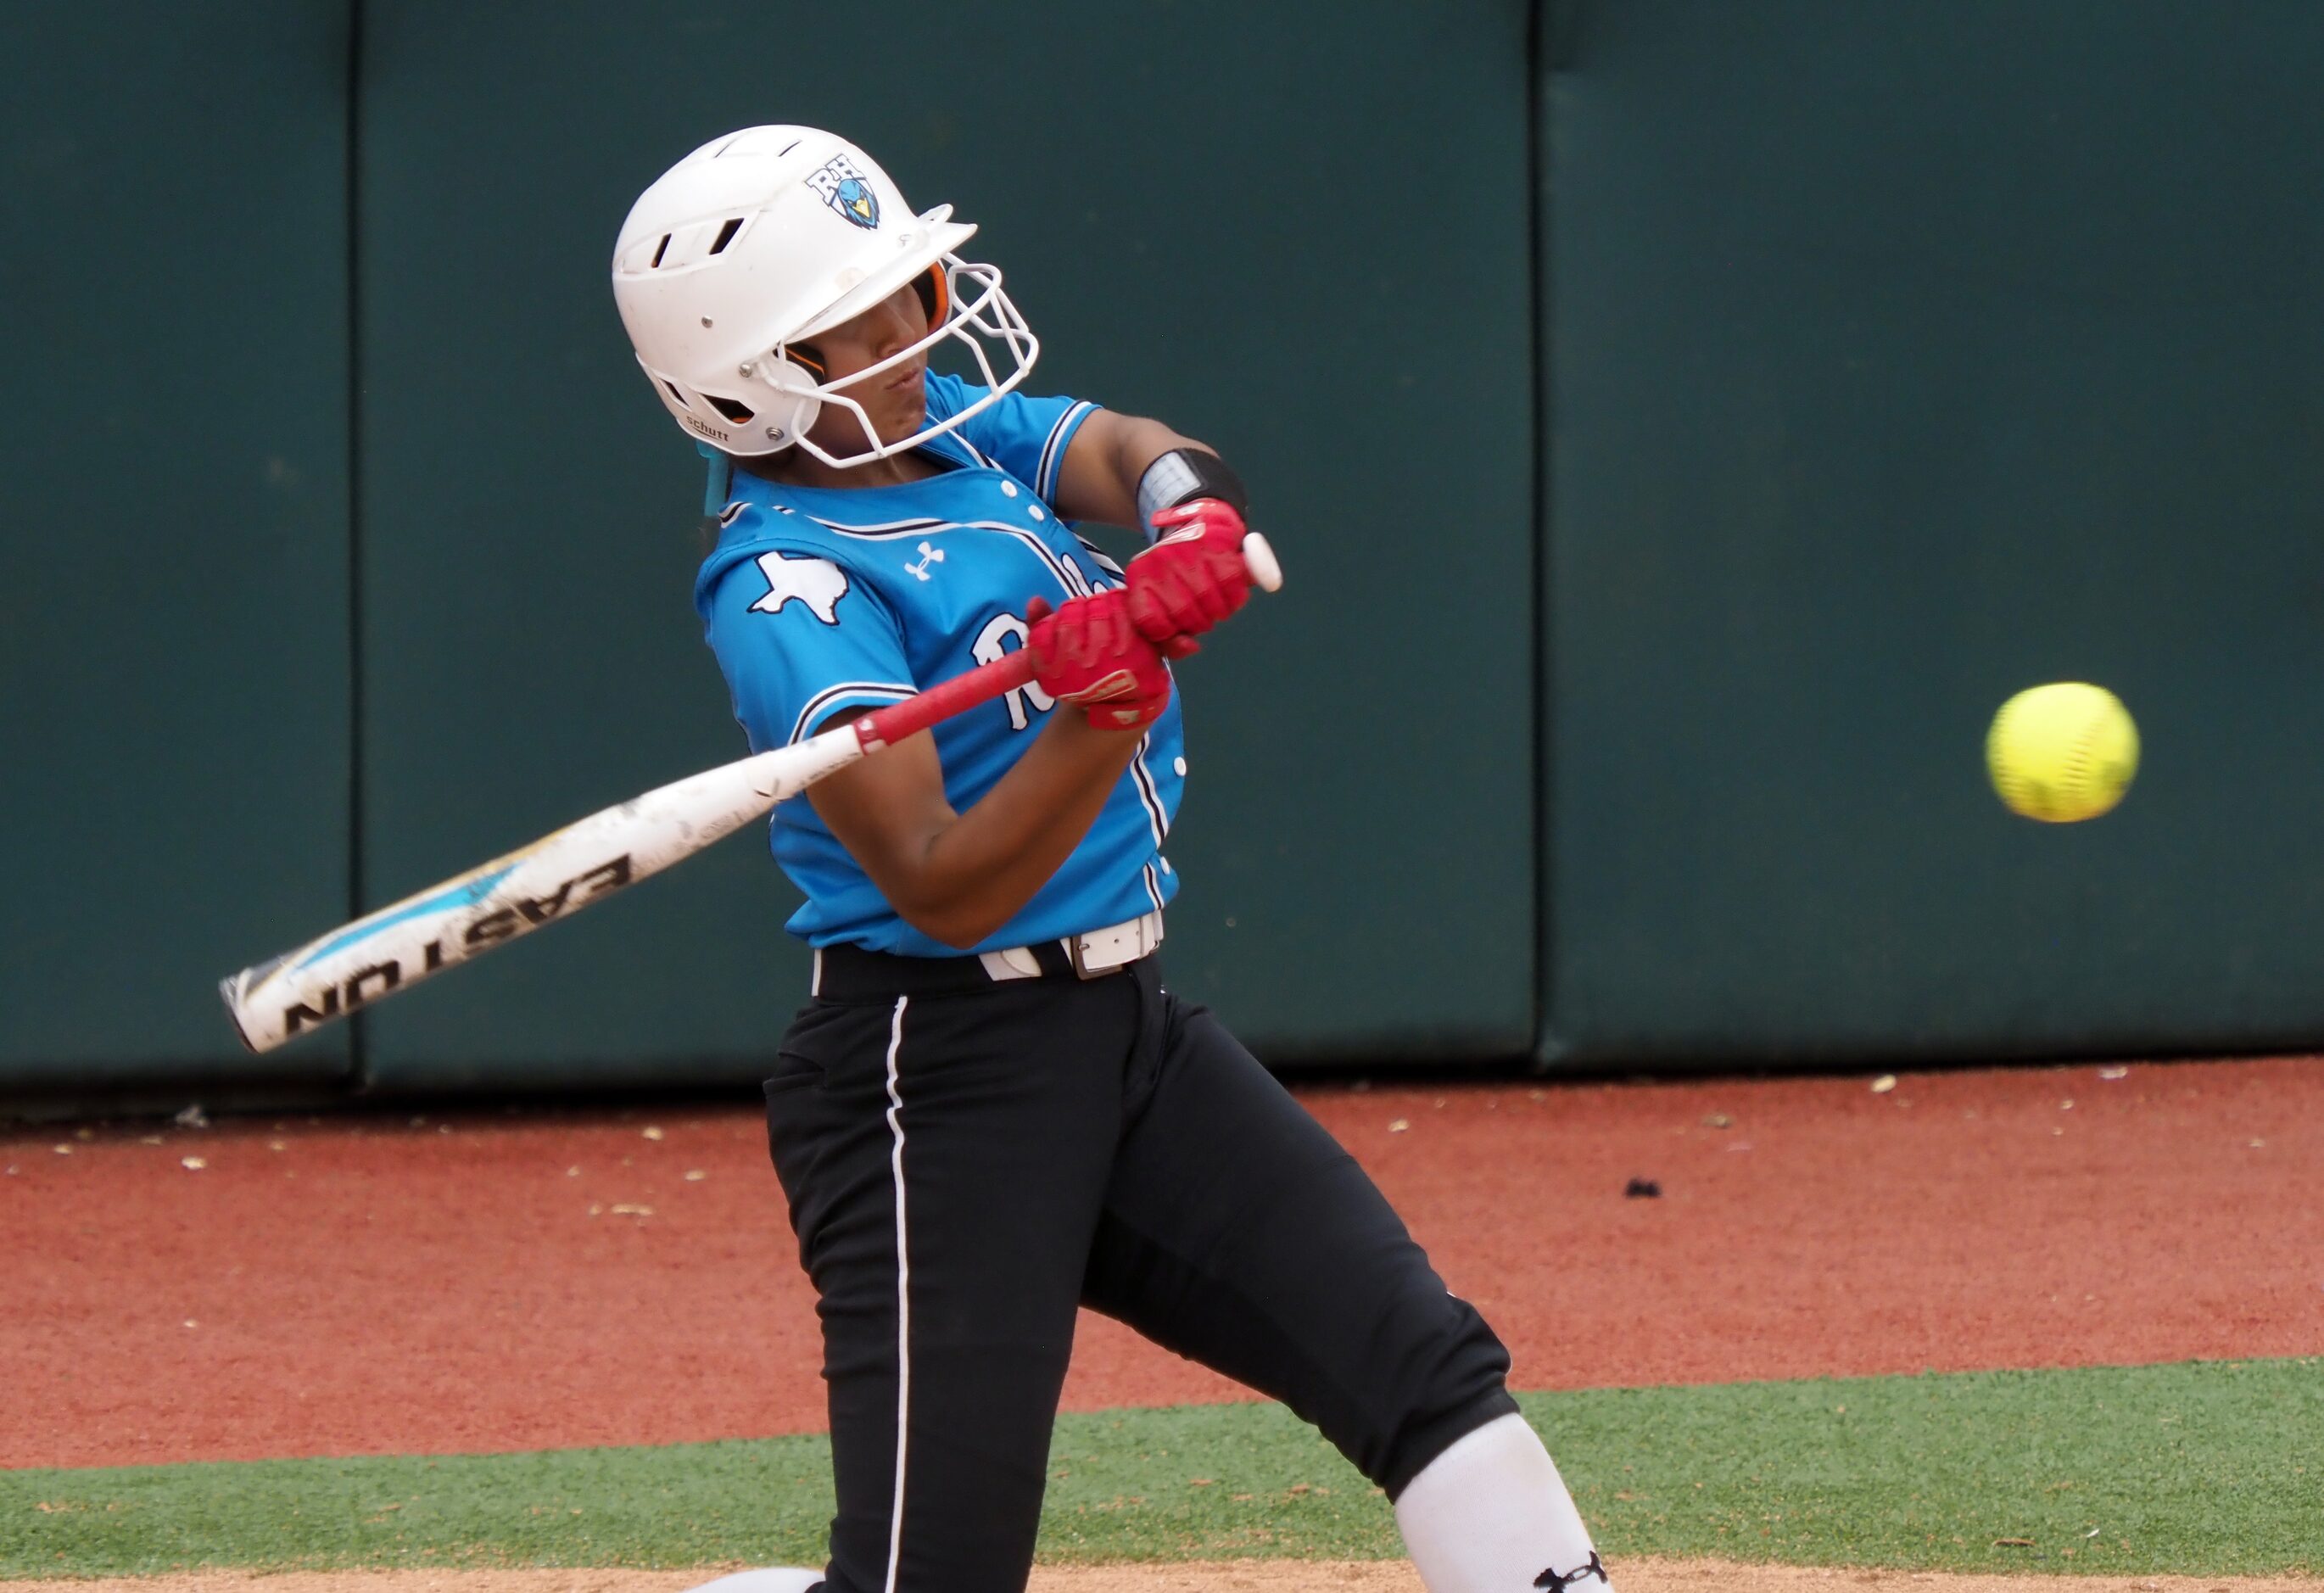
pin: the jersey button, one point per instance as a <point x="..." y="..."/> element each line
<point x="1035" y="511"/>
<point x="1009" y="489"/>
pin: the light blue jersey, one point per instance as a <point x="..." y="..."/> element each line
<point x="824" y="602"/>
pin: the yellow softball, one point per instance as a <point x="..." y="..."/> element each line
<point x="2063" y="752"/>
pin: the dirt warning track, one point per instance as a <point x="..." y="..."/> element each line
<point x="387" y="1283"/>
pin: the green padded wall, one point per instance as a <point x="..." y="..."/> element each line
<point x="173" y="578"/>
<point x="1306" y="244"/>
<point x="1905" y="356"/>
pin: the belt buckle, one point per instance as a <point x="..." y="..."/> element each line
<point x="1077" y="953"/>
<point x="1125" y="942"/>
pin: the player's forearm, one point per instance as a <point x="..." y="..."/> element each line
<point x="1105" y="462"/>
<point x="977" y="871"/>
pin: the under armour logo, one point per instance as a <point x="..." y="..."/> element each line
<point x="1557" y="1583"/>
<point x="929" y="555"/>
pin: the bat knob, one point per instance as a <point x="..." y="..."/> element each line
<point x="1259" y="558"/>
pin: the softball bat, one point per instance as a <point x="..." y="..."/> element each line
<point x="582" y="864"/>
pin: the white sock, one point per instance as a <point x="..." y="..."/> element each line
<point x="772" y="1579"/>
<point x="1490" y="1515"/>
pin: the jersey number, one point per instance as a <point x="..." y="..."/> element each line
<point x="998" y="640"/>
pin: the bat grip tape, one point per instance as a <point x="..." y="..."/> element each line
<point x="884" y="727"/>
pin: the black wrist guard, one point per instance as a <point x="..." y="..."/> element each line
<point x="1182" y="475"/>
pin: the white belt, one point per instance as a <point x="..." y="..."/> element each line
<point x="1096" y="951"/>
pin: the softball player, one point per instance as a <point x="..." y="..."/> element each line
<point x="993" y="1111"/>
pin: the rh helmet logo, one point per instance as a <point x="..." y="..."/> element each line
<point x="846" y="191"/>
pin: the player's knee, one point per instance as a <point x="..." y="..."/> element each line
<point x="1459" y="1383"/>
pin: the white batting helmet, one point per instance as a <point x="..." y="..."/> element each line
<point x="760" y="239"/>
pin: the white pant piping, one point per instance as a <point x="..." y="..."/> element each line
<point x="903" y="1292"/>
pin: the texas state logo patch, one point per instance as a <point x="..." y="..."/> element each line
<point x="846" y="191"/>
<point x="817" y="582"/>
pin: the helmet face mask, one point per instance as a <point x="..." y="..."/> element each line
<point x="760" y="240"/>
<point x="980" y="318"/>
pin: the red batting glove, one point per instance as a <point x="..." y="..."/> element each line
<point x="1089" y="654"/>
<point x="1193" y="577"/>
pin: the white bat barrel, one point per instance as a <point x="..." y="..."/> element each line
<point x="556" y="876"/>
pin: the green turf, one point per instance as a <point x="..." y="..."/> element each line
<point x="2205" y="1469"/>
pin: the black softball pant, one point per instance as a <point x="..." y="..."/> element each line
<point x="964" y="1168"/>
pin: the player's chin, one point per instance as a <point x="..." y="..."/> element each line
<point x="904" y="413"/>
<point x="894" y="413"/>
